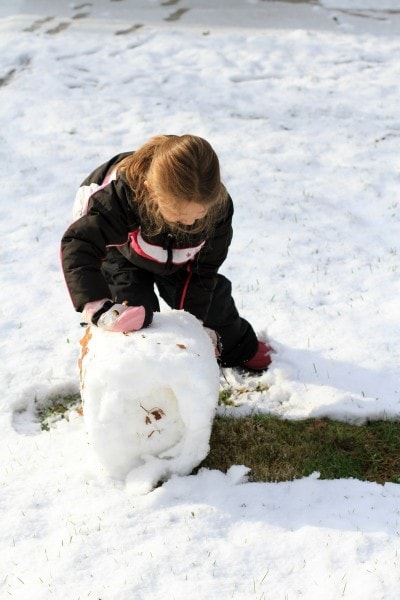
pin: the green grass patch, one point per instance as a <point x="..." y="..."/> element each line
<point x="280" y="450"/>
<point x="230" y="395"/>
<point x="56" y="408"/>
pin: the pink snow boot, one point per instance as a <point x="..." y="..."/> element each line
<point x="261" y="359"/>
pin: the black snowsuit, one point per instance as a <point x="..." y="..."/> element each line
<point x="107" y="254"/>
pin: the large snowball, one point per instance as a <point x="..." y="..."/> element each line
<point x="149" y="398"/>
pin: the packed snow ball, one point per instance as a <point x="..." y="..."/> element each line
<point x="149" y="398"/>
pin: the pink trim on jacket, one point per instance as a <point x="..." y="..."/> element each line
<point x="186" y="286"/>
<point x="158" y="254"/>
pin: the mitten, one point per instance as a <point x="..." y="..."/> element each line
<point x="114" y="317"/>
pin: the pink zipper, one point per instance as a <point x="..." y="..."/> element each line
<point x="185" y="287"/>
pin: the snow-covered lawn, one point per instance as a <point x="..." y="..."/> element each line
<point x="306" y="124"/>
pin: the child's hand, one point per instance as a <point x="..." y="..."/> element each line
<point x="114" y="317"/>
<point x="122" y="318"/>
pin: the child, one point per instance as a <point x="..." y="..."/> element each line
<point x="158" y="216"/>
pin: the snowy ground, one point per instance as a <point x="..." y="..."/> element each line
<point x="305" y="120"/>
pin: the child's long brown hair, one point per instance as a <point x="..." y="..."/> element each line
<point x="176" y="169"/>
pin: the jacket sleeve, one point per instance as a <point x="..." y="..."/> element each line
<point x="203" y="271"/>
<point x="84" y="244"/>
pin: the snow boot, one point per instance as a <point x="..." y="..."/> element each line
<point x="261" y="359"/>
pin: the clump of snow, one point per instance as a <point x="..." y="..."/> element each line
<point x="382" y="5"/>
<point x="149" y="398"/>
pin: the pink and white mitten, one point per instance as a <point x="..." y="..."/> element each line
<point x="108" y="315"/>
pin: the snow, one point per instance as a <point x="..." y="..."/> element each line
<point x="383" y="5"/>
<point x="145" y="418"/>
<point x="305" y="121"/>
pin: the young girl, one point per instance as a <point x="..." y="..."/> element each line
<point x="158" y="216"/>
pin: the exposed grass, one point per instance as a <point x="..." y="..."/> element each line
<point x="229" y="395"/>
<point x="56" y="408"/>
<point x="280" y="450"/>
